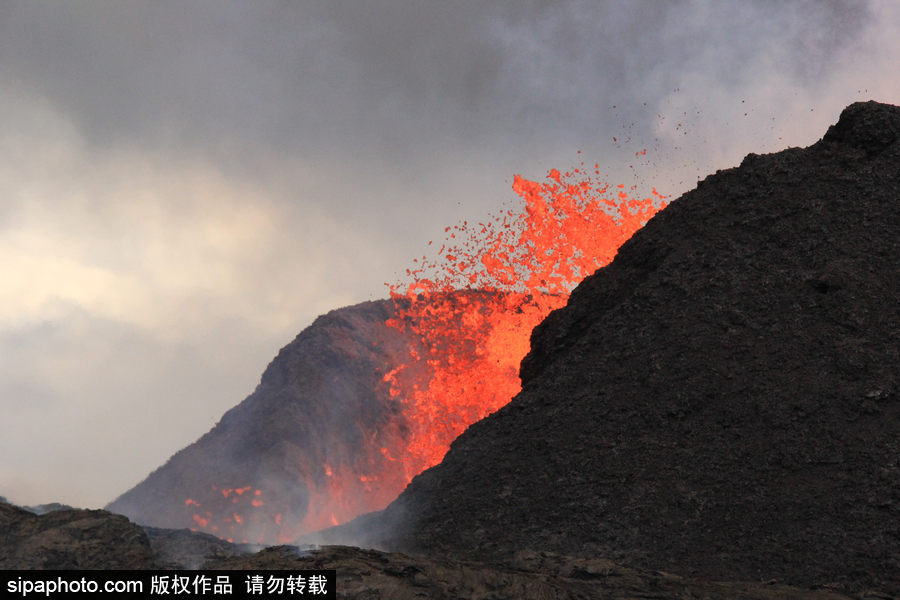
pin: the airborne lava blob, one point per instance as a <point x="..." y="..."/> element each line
<point x="470" y="311"/>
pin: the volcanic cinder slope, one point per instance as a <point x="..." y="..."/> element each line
<point x="720" y="401"/>
<point x="320" y="409"/>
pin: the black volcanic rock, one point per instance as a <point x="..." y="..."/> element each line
<point x="95" y="539"/>
<point x="721" y="401"/>
<point x="529" y="575"/>
<point x="71" y="539"/>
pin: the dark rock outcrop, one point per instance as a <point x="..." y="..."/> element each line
<point x="721" y="401"/>
<point x="529" y="575"/>
<point x="71" y="539"/>
<point x="95" y="539"/>
<point x="82" y="539"/>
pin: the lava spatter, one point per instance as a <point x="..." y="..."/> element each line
<point x="475" y="305"/>
<point x="469" y="312"/>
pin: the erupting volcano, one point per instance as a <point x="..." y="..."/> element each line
<point x="369" y="396"/>
<point x="716" y="404"/>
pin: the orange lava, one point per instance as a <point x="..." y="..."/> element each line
<point x="515" y="269"/>
<point x="473" y="308"/>
<point x="241" y="522"/>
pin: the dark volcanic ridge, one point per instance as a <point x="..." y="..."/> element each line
<point x="322" y="439"/>
<point x="720" y="402"/>
<point x="321" y="404"/>
<point x="70" y="539"/>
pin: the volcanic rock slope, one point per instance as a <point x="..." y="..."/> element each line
<point x="70" y="539"/>
<point x="320" y="405"/>
<point x="720" y="401"/>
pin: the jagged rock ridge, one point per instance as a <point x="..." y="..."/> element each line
<point x="721" y="401"/>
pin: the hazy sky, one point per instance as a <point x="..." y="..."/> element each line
<point x="185" y="185"/>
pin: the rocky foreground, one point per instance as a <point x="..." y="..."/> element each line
<point x="96" y="539"/>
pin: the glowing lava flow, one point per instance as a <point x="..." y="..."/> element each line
<point x="234" y="504"/>
<point x="472" y="309"/>
<point x="515" y="270"/>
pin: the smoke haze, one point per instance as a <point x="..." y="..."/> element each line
<point x="183" y="187"/>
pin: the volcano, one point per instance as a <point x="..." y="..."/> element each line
<point x="721" y="401"/>
<point x="345" y="415"/>
<point x="254" y="474"/>
<point x="371" y="395"/>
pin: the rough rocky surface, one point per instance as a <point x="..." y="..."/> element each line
<point x="320" y="402"/>
<point x="529" y="575"/>
<point x="81" y="539"/>
<point x="70" y="539"/>
<point x="185" y="549"/>
<point x="719" y="402"/>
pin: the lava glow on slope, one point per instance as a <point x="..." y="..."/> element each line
<point x="472" y="307"/>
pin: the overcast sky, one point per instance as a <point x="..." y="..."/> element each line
<point x="184" y="186"/>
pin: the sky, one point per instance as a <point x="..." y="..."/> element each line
<point x="185" y="186"/>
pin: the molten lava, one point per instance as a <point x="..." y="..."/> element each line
<point x="472" y="308"/>
<point x="232" y="503"/>
<point x="514" y="269"/>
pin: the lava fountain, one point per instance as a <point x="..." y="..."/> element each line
<point x="515" y="269"/>
<point x="469" y="311"/>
